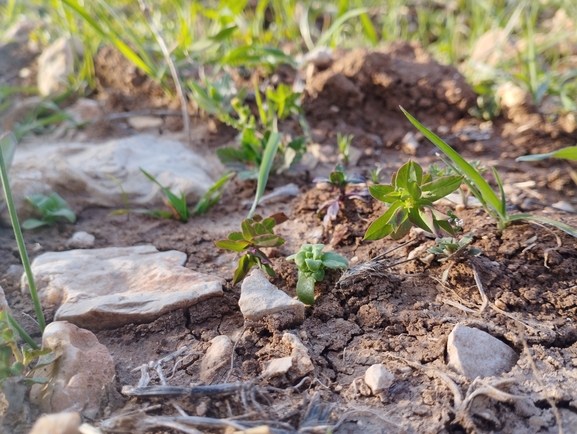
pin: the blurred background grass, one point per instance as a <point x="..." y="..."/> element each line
<point x="532" y="43"/>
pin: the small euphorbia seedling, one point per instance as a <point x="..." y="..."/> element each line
<point x="311" y="262"/>
<point x="449" y="247"/>
<point x="255" y="234"/>
<point x="411" y="194"/>
<point x="339" y="180"/>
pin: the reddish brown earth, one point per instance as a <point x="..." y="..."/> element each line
<point x="401" y="316"/>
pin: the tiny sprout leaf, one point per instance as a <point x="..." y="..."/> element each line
<point x="235" y="246"/>
<point x="381" y="227"/>
<point x="267" y="240"/>
<point x="248" y="231"/>
<point x="306" y="289"/>
<point x="313" y="265"/>
<point x="235" y="236"/>
<point x="334" y="260"/>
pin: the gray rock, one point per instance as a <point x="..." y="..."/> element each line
<point x="259" y="298"/>
<point x="108" y="288"/>
<point x="474" y="353"/>
<point x="79" y="376"/>
<point x="59" y="423"/>
<point x="216" y="359"/>
<point x="15" y="271"/>
<point x="378" y="378"/>
<point x="81" y="240"/>
<point x="56" y="65"/>
<point x="80" y="172"/>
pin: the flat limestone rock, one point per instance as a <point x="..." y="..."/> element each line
<point x="81" y="172"/>
<point x="474" y="353"/>
<point x="107" y="288"/>
<point x="259" y="298"/>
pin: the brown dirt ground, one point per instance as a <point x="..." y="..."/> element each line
<point x="400" y="317"/>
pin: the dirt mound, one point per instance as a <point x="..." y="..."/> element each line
<point x="364" y="88"/>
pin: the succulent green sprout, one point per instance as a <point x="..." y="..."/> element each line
<point x="51" y="208"/>
<point x="311" y="263"/>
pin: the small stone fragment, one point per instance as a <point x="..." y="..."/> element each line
<point x="259" y="298"/>
<point x="474" y="353"/>
<point x="3" y="301"/>
<point x="302" y="363"/>
<point x="216" y="358"/>
<point x="378" y="378"/>
<point x="145" y="122"/>
<point x="78" y="377"/>
<point x="107" y="288"/>
<point x="56" y="64"/>
<point x="410" y="144"/>
<point x="81" y="240"/>
<point x="59" y="423"/>
<point x="277" y="367"/>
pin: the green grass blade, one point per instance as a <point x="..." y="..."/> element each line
<point x="569" y="153"/>
<point x="118" y="43"/>
<point x="19" y="237"/>
<point x="265" y="166"/>
<point x="469" y="171"/>
<point x="336" y="26"/>
<point x="537" y="218"/>
<point x="503" y="210"/>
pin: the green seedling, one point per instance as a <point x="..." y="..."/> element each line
<point x="176" y="204"/>
<point x="411" y="194"/>
<point x="374" y="174"/>
<point x="344" y="144"/>
<point x="453" y="249"/>
<point x="51" y="208"/>
<point x="450" y="248"/>
<point x="256" y="233"/>
<point x="339" y="180"/>
<point x="15" y="362"/>
<point x="312" y="262"/>
<point x="495" y="205"/>
<point x="213" y="194"/>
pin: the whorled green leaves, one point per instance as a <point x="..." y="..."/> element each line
<point x="311" y="263"/>
<point x="411" y="194"/>
<point x="255" y="233"/>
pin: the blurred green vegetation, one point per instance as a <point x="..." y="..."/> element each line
<point x="267" y="32"/>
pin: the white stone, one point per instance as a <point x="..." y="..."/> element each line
<point x="79" y="376"/>
<point x="277" y="367"/>
<point x="56" y="65"/>
<point x="15" y="271"/>
<point x="58" y="423"/>
<point x="410" y="144"/>
<point x="216" y="357"/>
<point x="81" y="172"/>
<point x="145" y="122"/>
<point x="108" y="288"/>
<point x="81" y="240"/>
<point x="512" y="96"/>
<point x="474" y="353"/>
<point x="302" y="363"/>
<point x="378" y="378"/>
<point x="3" y="301"/>
<point x="259" y="298"/>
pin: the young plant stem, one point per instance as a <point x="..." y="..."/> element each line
<point x="21" y="245"/>
<point x="25" y="336"/>
<point x="265" y="166"/>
